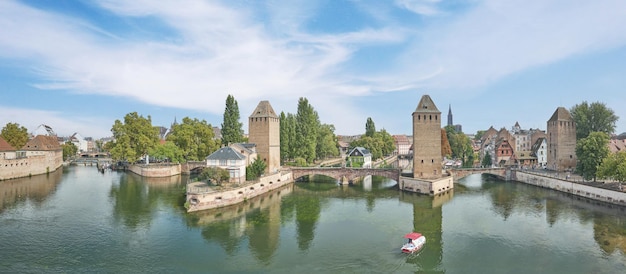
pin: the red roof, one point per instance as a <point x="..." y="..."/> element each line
<point x="413" y="235"/>
<point x="4" y="146"/>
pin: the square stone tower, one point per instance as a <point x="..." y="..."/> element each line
<point x="264" y="132"/>
<point x="427" y="140"/>
<point x="561" y="141"/>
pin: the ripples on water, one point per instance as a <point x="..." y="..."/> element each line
<point x="80" y="220"/>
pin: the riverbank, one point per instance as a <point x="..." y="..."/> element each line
<point x="200" y="196"/>
<point x="604" y="192"/>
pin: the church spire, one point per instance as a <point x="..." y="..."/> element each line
<point x="450" y="115"/>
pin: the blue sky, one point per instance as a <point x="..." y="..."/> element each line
<point x="77" y="66"/>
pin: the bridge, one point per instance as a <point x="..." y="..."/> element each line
<point x="499" y="172"/>
<point x="193" y="167"/>
<point x="344" y="174"/>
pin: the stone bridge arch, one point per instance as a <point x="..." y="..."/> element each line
<point x="500" y="172"/>
<point x="344" y="174"/>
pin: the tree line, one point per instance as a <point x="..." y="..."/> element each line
<point x="303" y="138"/>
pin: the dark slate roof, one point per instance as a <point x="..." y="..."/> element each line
<point x="426" y="105"/>
<point x="537" y="145"/>
<point x="5" y="146"/>
<point x="264" y="109"/>
<point x="561" y="114"/>
<point x="226" y="153"/>
<point x="42" y="142"/>
<point x="360" y="151"/>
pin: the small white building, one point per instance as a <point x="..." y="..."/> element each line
<point x="360" y="157"/>
<point x="540" y="150"/>
<point x="79" y="142"/>
<point x="229" y="159"/>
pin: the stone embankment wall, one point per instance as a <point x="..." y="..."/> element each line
<point x="590" y="192"/>
<point x="31" y="165"/>
<point x="156" y="170"/>
<point x="204" y="198"/>
<point x="430" y="187"/>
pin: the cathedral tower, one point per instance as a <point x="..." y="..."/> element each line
<point x="427" y="140"/>
<point x="264" y="132"/>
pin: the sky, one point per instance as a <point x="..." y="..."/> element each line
<point x="77" y="66"/>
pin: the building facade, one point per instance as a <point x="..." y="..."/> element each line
<point x="41" y="154"/>
<point x="264" y="132"/>
<point x="360" y="157"/>
<point x="561" y="139"/>
<point x="427" y="158"/>
<point x="231" y="160"/>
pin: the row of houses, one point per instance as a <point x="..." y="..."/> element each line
<point x="40" y="155"/>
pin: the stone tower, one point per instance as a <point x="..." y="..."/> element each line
<point x="427" y="140"/>
<point x="264" y="132"/>
<point x="561" y="141"/>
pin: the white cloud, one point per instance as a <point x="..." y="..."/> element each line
<point x="263" y="52"/>
<point x="422" y="7"/>
<point x="500" y="38"/>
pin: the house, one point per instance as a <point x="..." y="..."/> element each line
<point x="79" y="142"/>
<point x="229" y="159"/>
<point x="44" y="130"/>
<point x="246" y="149"/>
<point x="540" y="151"/>
<point x="343" y="147"/>
<point x="488" y="144"/>
<point x="6" y="150"/>
<point x="360" y="157"/>
<point x="402" y="145"/>
<point x="504" y="148"/>
<point x="525" y="159"/>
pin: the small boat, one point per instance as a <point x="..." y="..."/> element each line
<point x="415" y="243"/>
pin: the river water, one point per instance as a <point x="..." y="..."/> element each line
<point x="79" y="221"/>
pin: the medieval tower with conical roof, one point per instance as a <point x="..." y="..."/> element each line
<point x="264" y="132"/>
<point x="561" y="141"/>
<point x="427" y="140"/>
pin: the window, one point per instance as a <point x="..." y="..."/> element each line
<point x="222" y="162"/>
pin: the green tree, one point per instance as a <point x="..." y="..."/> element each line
<point x="168" y="152"/>
<point x="388" y="143"/>
<point x="15" y="135"/>
<point x="613" y="167"/>
<point x="374" y="145"/>
<point x="255" y="169"/>
<point x="287" y="136"/>
<point x="69" y="150"/>
<point x="214" y="175"/>
<point x="461" y="146"/>
<point x="195" y="138"/>
<point x="133" y="138"/>
<point x="232" y="131"/>
<point x="307" y="124"/>
<point x="593" y="117"/>
<point x="591" y="151"/>
<point x="326" y="142"/>
<point x="370" y="128"/>
<point x="486" y="160"/>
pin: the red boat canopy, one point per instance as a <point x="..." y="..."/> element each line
<point x="413" y="235"/>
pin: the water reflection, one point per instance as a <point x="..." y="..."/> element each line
<point x="257" y="219"/>
<point x="34" y="189"/>
<point x="136" y="198"/>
